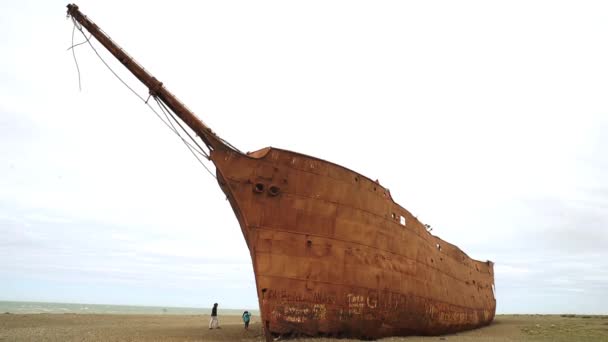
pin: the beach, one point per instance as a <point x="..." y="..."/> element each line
<point x="111" y="327"/>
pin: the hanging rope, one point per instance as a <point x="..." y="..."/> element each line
<point x="75" y="61"/>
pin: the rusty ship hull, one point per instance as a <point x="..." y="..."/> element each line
<point x="334" y="255"/>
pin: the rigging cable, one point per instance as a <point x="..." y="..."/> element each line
<point x="230" y="145"/>
<point x="79" y="27"/>
<point x="161" y="105"/>
<point x="74" y="54"/>
<point x="131" y="89"/>
<point x="75" y="45"/>
<point x="169" y="125"/>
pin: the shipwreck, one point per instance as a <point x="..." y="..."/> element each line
<point x="332" y="252"/>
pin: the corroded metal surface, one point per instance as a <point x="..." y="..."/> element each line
<point x="332" y="253"/>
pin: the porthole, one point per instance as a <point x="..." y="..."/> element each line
<point x="273" y="190"/>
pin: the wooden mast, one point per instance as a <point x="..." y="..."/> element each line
<point x="155" y="87"/>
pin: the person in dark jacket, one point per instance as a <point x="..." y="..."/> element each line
<point x="214" y="323"/>
<point x="246" y="319"/>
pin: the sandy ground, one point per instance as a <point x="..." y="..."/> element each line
<point x="90" y="327"/>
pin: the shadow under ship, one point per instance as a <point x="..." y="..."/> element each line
<point x="332" y="253"/>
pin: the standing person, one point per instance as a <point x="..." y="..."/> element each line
<point x="246" y="318"/>
<point x="214" y="323"/>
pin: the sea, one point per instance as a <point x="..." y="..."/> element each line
<point x="62" y="308"/>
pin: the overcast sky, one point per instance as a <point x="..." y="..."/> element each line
<point x="487" y="120"/>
